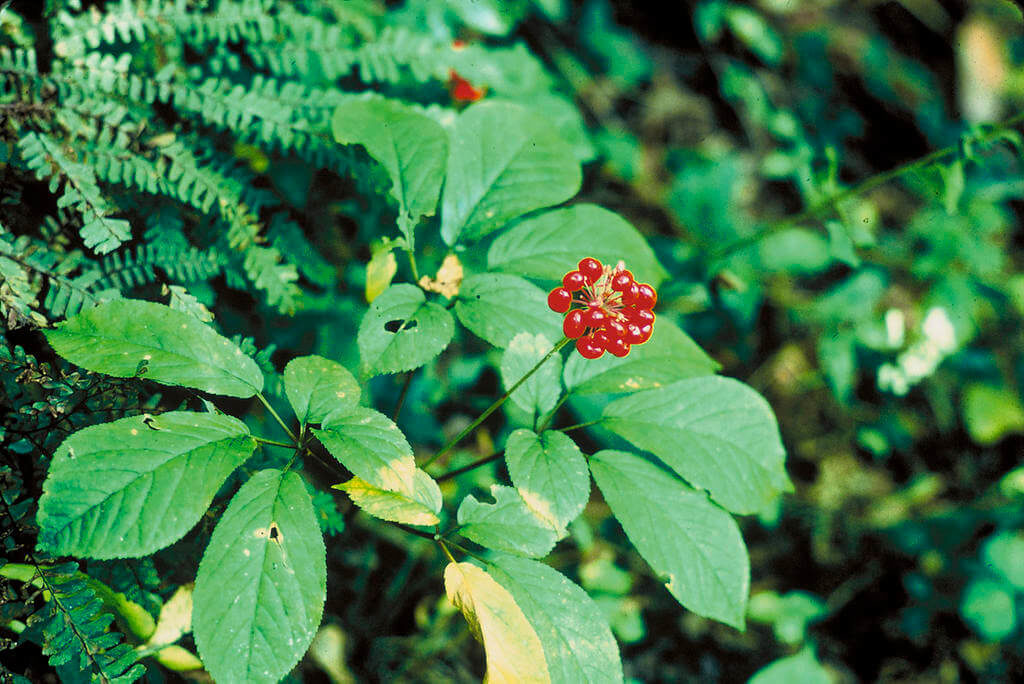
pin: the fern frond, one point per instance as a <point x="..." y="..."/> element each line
<point x="124" y="270"/>
<point x="79" y="191"/>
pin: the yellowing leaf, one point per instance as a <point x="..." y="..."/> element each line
<point x="175" y="618"/>
<point x="419" y="506"/>
<point x="514" y="652"/>
<point x="448" y="280"/>
<point x="379" y="272"/>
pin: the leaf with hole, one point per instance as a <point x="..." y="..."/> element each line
<point x="316" y="387"/>
<point x="402" y="330"/>
<point x="129" y="337"/>
<point x="497" y="307"/>
<point x="549" y="473"/>
<point x="133" y="486"/>
<point x="503" y="162"/>
<point x="688" y="540"/>
<point x="574" y="633"/>
<point x="505" y="525"/>
<point x="262" y="582"/>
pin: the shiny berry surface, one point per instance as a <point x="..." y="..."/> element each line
<point x="605" y="308"/>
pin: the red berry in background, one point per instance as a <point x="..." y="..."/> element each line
<point x="645" y="296"/>
<point x="461" y="89"/>
<point x="587" y="348"/>
<point x="591" y="269"/>
<point x="573" y="280"/>
<point x="617" y="347"/>
<point x="560" y="299"/>
<point x="622" y="280"/>
<point x="573" y="325"/>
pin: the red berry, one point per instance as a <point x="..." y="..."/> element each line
<point x="587" y="348"/>
<point x="645" y="297"/>
<point x="622" y="280"/>
<point x="573" y="281"/>
<point x="630" y="293"/>
<point x="617" y="347"/>
<point x="615" y="328"/>
<point x="602" y="339"/>
<point x="573" y="325"/>
<point x="634" y="334"/>
<point x="595" y="317"/>
<point x="642" y="317"/>
<point x="645" y="333"/>
<point x="461" y="89"/>
<point x="560" y="299"/>
<point x="591" y="269"/>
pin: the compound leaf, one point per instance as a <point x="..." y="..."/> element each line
<point x="574" y="633"/>
<point x="133" y="486"/>
<point x="402" y="330"/>
<point x="317" y="387"/>
<point x="503" y="162"/>
<point x="261" y="584"/>
<point x="496" y="307"/>
<point x="549" y="473"/>
<point x="129" y="337"/>
<point x="716" y="432"/>
<point x="505" y="525"/>
<point x="514" y="653"/>
<point x="370" y="445"/>
<point x="550" y="244"/>
<point x="683" y="536"/>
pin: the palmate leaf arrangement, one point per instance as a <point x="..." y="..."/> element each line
<point x="703" y="447"/>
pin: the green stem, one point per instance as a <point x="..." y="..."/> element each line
<point x="277" y="417"/>
<point x="412" y="265"/>
<point x="401" y="397"/>
<point x="551" y="414"/>
<point x="472" y="466"/>
<point x="496" y="405"/>
<point x="865" y="186"/>
<point x="272" y="442"/>
<point x="577" y="426"/>
<point x="446" y="551"/>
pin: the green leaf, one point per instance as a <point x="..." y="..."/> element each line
<point x="837" y="355"/>
<point x="402" y="330"/>
<point x="503" y="162"/>
<point x="683" y="536"/>
<point x="123" y="337"/>
<point x="577" y="641"/>
<point x="541" y="390"/>
<point x="988" y="606"/>
<point x="410" y="146"/>
<point x="417" y="507"/>
<point x="505" y="525"/>
<point x="802" y="667"/>
<point x="991" y="413"/>
<point x="317" y="387"/>
<point x="133" y="486"/>
<point x="496" y="307"/>
<point x="550" y="244"/>
<point x="370" y="445"/>
<point x="1004" y="553"/>
<point x="669" y="355"/>
<point x="514" y="653"/>
<point x="261" y="585"/>
<point x="549" y="473"/>
<point x="716" y="432"/>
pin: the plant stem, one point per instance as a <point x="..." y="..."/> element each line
<point x="864" y="186"/>
<point x="497" y="404"/>
<point x="577" y="426"/>
<point x="272" y="442"/>
<point x="446" y="551"/>
<point x="277" y="417"/>
<point x="412" y="265"/>
<point x="472" y="466"/>
<point x="551" y="414"/>
<point x="401" y="397"/>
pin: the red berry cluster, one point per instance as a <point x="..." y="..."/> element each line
<point x="616" y="310"/>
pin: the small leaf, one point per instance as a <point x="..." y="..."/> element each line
<point x="837" y="355"/>
<point x="261" y="584"/>
<point x="802" y="667"/>
<point x="669" y="355"/>
<point x="379" y="272"/>
<point x="505" y="525"/>
<point x="133" y="486"/>
<point x="541" y="390"/>
<point x="496" y="307"/>
<point x="550" y="244"/>
<point x="316" y="387"/>
<point x="370" y="445"/>
<point x="683" y="536"/>
<point x="418" y="507"/>
<point x="122" y="337"/>
<point x="549" y="473"/>
<point x="990" y="608"/>
<point x="991" y="413"/>
<point x="503" y="162"/>
<point x="410" y="146"/>
<point x="716" y="432"/>
<point x="402" y="330"/>
<point x="577" y="641"/>
<point x="514" y="653"/>
<point x="1004" y="554"/>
